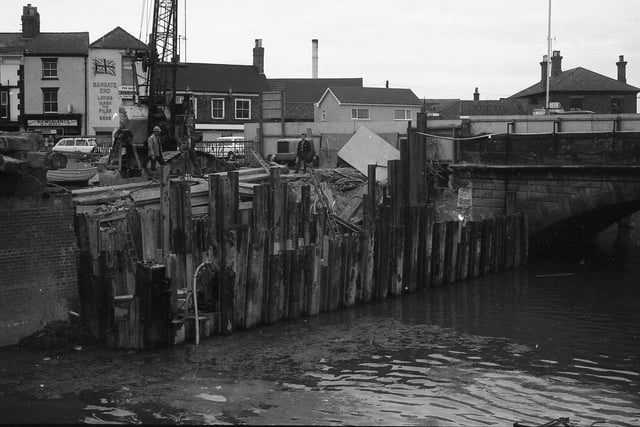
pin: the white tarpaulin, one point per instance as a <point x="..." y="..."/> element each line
<point x="366" y="148"/>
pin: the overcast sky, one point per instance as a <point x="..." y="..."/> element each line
<point x="437" y="48"/>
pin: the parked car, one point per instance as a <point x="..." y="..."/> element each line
<point x="73" y="144"/>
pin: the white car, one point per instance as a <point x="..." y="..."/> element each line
<point x="72" y="145"/>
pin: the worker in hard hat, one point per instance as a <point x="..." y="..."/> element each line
<point x="155" y="148"/>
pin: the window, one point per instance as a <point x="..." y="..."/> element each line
<point x="217" y="108"/>
<point x="360" y="113"/>
<point x="243" y="109"/>
<point x="402" y="115"/>
<point x="575" y="103"/>
<point x="616" y="105"/>
<point x="49" y="68"/>
<point x="49" y="99"/>
<point x="324" y="115"/>
<point x="4" y="105"/>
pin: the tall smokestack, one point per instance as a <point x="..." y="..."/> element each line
<point x="258" y="56"/>
<point x="476" y="95"/>
<point x="622" y="69"/>
<point x="314" y="58"/>
<point x="544" y="69"/>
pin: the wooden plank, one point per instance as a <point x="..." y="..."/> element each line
<point x="316" y="257"/>
<point x="240" y="295"/>
<point x="428" y="247"/>
<point x="463" y="252"/>
<point x="517" y="236"/>
<point x="287" y="278"/>
<point x="255" y="278"/>
<point x="438" y="255"/>
<point x="524" y="240"/>
<point x="508" y="243"/>
<point x="230" y="275"/>
<point x="382" y="249"/>
<point x="275" y="288"/>
<point x="275" y="208"/>
<point x="412" y="247"/>
<point x="353" y="248"/>
<point x="324" y="275"/>
<point x="477" y="228"/>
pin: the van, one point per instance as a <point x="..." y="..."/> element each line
<point x="286" y="149"/>
<point x="76" y="144"/>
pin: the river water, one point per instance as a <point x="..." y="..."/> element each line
<point x="560" y="338"/>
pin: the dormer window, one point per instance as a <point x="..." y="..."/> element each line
<point x="49" y="68"/>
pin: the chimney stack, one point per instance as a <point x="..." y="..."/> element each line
<point x="30" y="21"/>
<point x="258" y="56"/>
<point x="622" y="69"/>
<point x="544" y="70"/>
<point x="314" y="58"/>
<point x="556" y="63"/>
<point x="476" y="95"/>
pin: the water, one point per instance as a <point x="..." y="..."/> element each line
<point x="560" y="338"/>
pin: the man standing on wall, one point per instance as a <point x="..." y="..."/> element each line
<point x="155" y="148"/>
<point x="305" y="153"/>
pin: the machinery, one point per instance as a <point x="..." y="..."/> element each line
<point x="155" y="99"/>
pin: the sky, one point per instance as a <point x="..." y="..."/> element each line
<point x="437" y="48"/>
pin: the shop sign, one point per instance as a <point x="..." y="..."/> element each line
<point x="126" y="92"/>
<point x="52" y="122"/>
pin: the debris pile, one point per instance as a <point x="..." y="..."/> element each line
<point x="59" y="335"/>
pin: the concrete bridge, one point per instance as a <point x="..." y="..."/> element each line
<point x="571" y="185"/>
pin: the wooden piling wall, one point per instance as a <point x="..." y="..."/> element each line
<point x="277" y="258"/>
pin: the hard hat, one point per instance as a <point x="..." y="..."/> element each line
<point x="156" y="128"/>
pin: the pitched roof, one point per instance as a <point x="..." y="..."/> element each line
<point x="373" y="95"/>
<point x="578" y="80"/>
<point x="499" y="107"/>
<point x="58" y="44"/>
<point x="221" y="78"/>
<point x="118" y="39"/>
<point x="12" y="43"/>
<point x="309" y="90"/>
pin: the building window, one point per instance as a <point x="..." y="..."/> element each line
<point x="217" y="108"/>
<point x="49" y="68"/>
<point x="402" y="115"/>
<point x="243" y="109"/>
<point x="575" y="103"/>
<point x="360" y="113"/>
<point x="324" y="115"/>
<point x="616" y="105"/>
<point x="49" y="99"/>
<point x="4" y="105"/>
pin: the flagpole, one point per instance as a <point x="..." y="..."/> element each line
<point x="548" y="56"/>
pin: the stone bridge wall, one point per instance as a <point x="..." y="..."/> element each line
<point x="590" y="179"/>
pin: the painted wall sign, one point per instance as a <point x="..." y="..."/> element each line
<point x="53" y="122"/>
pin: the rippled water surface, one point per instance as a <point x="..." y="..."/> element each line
<point x="560" y="338"/>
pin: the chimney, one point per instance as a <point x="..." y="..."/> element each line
<point x="476" y="95"/>
<point x="622" y="69"/>
<point x="258" y="56"/>
<point x="556" y="63"/>
<point x="544" y="70"/>
<point x="386" y="85"/>
<point x="314" y="58"/>
<point x="30" y="21"/>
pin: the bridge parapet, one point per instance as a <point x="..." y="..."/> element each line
<point x="584" y="148"/>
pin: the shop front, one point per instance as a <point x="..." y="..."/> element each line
<point x="54" y="127"/>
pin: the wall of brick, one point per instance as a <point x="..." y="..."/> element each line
<point x="38" y="267"/>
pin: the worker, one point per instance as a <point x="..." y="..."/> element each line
<point x="155" y="148"/>
<point x="304" y="153"/>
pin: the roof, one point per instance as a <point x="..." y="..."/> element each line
<point x="309" y="90"/>
<point x="578" y="80"/>
<point x="220" y="78"/>
<point x="58" y="44"/>
<point x="12" y="43"/>
<point x="118" y="39"/>
<point x="373" y="96"/>
<point x="499" y="107"/>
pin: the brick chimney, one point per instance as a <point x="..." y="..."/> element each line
<point x="622" y="69"/>
<point x="476" y="95"/>
<point x="556" y="63"/>
<point x="30" y="21"/>
<point x="258" y="56"/>
<point x="314" y="58"/>
<point x="544" y="67"/>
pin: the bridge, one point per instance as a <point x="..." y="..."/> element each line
<point x="571" y="185"/>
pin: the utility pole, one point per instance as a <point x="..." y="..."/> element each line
<point x="548" y="57"/>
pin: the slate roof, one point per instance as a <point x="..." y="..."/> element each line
<point x="578" y="80"/>
<point x="220" y="78"/>
<point x="58" y="44"/>
<point x="118" y="39"/>
<point x="12" y="43"/>
<point x="501" y="107"/>
<point x="374" y="95"/>
<point x="309" y="90"/>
